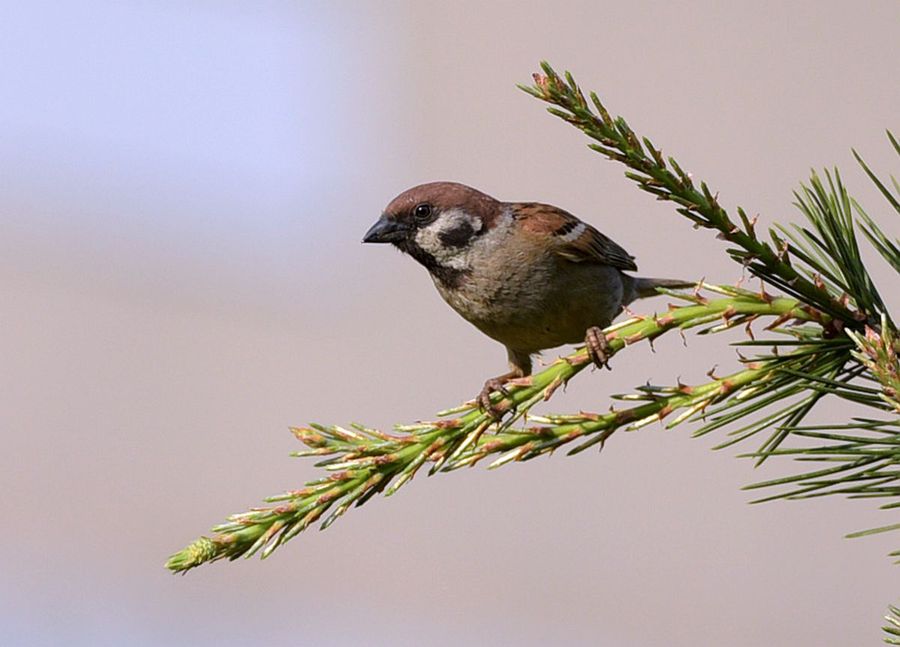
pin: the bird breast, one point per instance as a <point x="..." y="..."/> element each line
<point x="531" y="299"/>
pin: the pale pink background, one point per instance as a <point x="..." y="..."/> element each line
<point x="183" y="188"/>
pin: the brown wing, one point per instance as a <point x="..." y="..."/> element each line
<point x="572" y="238"/>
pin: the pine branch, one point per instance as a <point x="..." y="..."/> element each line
<point x="363" y="462"/>
<point x="892" y="629"/>
<point x="820" y="265"/>
<point x="833" y="242"/>
<point x="664" y="178"/>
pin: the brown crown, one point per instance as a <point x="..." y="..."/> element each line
<point x="444" y="196"/>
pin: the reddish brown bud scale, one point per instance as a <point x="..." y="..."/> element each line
<point x="309" y="437"/>
<point x="432" y="451"/>
<point x="557" y="382"/>
<point x="299" y="494"/>
<point x="526" y="381"/>
<point x="287" y="508"/>
<point x="748" y="329"/>
<point x="311" y="516"/>
<point x="328" y="497"/>
<point x="623" y="416"/>
<point x="525" y="449"/>
<point x="491" y="446"/>
<point x="780" y="320"/>
<point x="726" y="387"/>
<point x="665" y="321"/>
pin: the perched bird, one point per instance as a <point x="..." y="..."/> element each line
<point x="529" y="275"/>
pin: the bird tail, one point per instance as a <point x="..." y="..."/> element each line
<point x="644" y="287"/>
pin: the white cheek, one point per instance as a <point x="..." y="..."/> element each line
<point x="427" y="239"/>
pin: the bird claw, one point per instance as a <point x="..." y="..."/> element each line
<point x="597" y="347"/>
<point x="484" y="398"/>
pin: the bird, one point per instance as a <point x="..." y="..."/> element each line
<point x="527" y="274"/>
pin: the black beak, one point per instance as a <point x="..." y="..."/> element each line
<point x="386" y="230"/>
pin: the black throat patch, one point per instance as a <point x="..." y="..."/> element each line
<point x="449" y="277"/>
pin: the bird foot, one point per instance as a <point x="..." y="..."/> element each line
<point x="597" y="347"/>
<point x="484" y="398"/>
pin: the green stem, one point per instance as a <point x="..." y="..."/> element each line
<point x="363" y="462"/>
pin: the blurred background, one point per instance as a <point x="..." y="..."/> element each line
<point x="183" y="189"/>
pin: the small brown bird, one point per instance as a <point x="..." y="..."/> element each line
<point x="529" y="275"/>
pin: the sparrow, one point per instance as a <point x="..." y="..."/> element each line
<point x="529" y="275"/>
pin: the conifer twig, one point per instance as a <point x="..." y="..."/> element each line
<point x="820" y="265"/>
<point x="363" y="462"/>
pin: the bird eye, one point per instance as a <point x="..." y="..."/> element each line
<point x="423" y="211"/>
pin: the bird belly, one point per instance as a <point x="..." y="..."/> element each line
<point x="540" y="309"/>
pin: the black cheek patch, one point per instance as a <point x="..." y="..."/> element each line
<point x="457" y="237"/>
